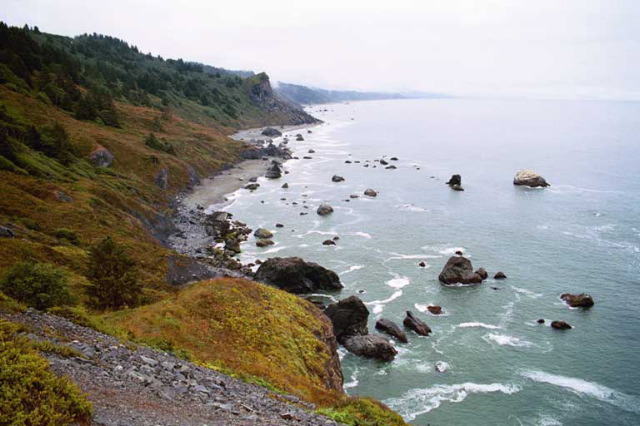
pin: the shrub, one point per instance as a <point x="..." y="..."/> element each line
<point x="66" y="234"/>
<point x="159" y="145"/>
<point x="113" y="275"/>
<point x="39" y="285"/>
<point x="30" y="394"/>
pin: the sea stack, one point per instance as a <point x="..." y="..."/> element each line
<point x="530" y="179"/>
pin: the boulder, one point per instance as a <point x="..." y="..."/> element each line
<point x="285" y="185"/>
<point x="483" y="273"/>
<point x="337" y="178"/>
<point x="458" y="269"/>
<point x="252" y="186"/>
<point x="371" y="346"/>
<point x="581" y="300"/>
<point x="435" y="309"/>
<point x="391" y="328"/>
<point x="455" y="180"/>
<point x="370" y="192"/>
<point x="560" y="325"/>
<point x="270" y="132"/>
<point x="393" y="158"/>
<point x="294" y="275"/>
<point x="273" y="172"/>
<point x="263" y="242"/>
<point x="499" y="276"/>
<point x="101" y="157"/>
<point x="312" y="151"/>
<point x="263" y="233"/>
<point x="253" y="179"/>
<point x="279" y="225"/>
<point x="391" y="167"/>
<point x="540" y="321"/>
<point x="328" y="243"/>
<point x="457" y="188"/>
<point x="349" y="318"/>
<point x="324" y="209"/>
<point x="6" y="232"/>
<point x="384" y="162"/>
<point x="217" y="224"/>
<point x="62" y="197"/>
<point x="422" y="265"/>
<point x="233" y="245"/>
<point x="299" y="138"/>
<point x="415" y="324"/>
<point x="529" y="178"/>
<point x="353" y="196"/>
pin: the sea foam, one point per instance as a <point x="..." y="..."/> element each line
<point x="504" y="340"/>
<point x="478" y="324"/>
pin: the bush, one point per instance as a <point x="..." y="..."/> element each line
<point x="159" y="145"/>
<point x="113" y="275"/>
<point x="39" y="285"/>
<point x="66" y="234"/>
<point x="30" y="394"/>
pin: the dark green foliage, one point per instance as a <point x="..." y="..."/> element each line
<point x="39" y="285"/>
<point x="113" y="275"/>
<point x="66" y="234"/>
<point x="159" y="144"/>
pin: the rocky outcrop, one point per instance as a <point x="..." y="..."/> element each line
<point x="581" y="300"/>
<point x="194" y="177"/>
<point x="101" y="157"/>
<point x="458" y="270"/>
<point x="6" y="232"/>
<point x="184" y="270"/>
<point x="371" y="346"/>
<point x="529" y="178"/>
<point x="263" y="242"/>
<point x="162" y="178"/>
<point x="294" y="275"/>
<point x="455" y="180"/>
<point x="371" y="192"/>
<point x="435" y="309"/>
<point x="263" y="233"/>
<point x="324" y="209"/>
<point x="391" y="328"/>
<point x="274" y="172"/>
<point x="217" y="224"/>
<point x="261" y="94"/>
<point x="416" y="324"/>
<point x="349" y="318"/>
<point x="337" y="178"/>
<point x="483" y="273"/>
<point x="257" y="151"/>
<point x="271" y="132"/>
<point x="560" y="325"/>
<point x="499" y="276"/>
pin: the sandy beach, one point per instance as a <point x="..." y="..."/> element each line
<point x="214" y="190"/>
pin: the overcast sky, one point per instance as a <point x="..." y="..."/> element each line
<point x="537" y="48"/>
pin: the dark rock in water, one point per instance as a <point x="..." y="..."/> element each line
<point x="540" y="321"/>
<point x="258" y="262"/>
<point x="422" y="264"/>
<point x="393" y="158"/>
<point x="349" y="318"/>
<point x="162" y="178"/>
<point x="529" y="178"/>
<point x="294" y="275"/>
<point x="101" y="157"/>
<point x="263" y="242"/>
<point x="347" y="162"/>
<point x="391" y="167"/>
<point x="370" y="192"/>
<point x="384" y="162"/>
<point x="391" y="328"/>
<point x="337" y="178"/>
<point x="578" y="300"/>
<point x="299" y="138"/>
<point x="184" y="270"/>
<point x="499" y="276"/>
<point x="273" y="172"/>
<point x="353" y="196"/>
<point x="328" y="243"/>
<point x="263" y="233"/>
<point x="279" y="225"/>
<point x="336" y="238"/>
<point x="252" y="186"/>
<point x="415" y="324"/>
<point x="483" y="273"/>
<point x="458" y="269"/>
<point x="309" y="131"/>
<point x="371" y="346"/>
<point x="306" y="157"/>
<point x="457" y="188"/>
<point x="253" y="179"/>
<point x="6" y="232"/>
<point x="311" y="151"/>
<point x="285" y="186"/>
<point x="459" y="253"/>
<point x="324" y="209"/>
<point x="271" y="132"/>
<point x="560" y="325"/>
<point x="455" y="180"/>
<point x="435" y="309"/>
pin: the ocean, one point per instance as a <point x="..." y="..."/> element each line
<point x="581" y="234"/>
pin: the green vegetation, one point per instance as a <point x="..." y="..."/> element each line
<point x="38" y="285"/>
<point x="30" y="394"/>
<point x="160" y="145"/>
<point x="113" y="276"/>
<point x="363" y="412"/>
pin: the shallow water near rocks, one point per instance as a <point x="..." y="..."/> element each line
<point x="582" y="234"/>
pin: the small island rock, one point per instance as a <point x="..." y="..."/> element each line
<point x="529" y="178"/>
<point x="415" y="324"/>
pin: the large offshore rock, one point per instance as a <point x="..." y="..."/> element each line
<point x="371" y="346"/>
<point x="297" y="276"/>
<point x="529" y="178"/>
<point x="349" y="318"/>
<point x="458" y="269"/>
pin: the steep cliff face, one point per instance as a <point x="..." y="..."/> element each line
<point x="261" y="93"/>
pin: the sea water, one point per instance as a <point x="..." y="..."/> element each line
<point x="582" y="234"/>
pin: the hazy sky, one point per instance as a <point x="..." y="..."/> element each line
<point x="539" y="48"/>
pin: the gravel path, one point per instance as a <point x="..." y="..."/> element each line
<point x="135" y="385"/>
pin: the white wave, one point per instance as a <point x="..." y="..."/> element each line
<point x="352" y="268"/>
<point x="316" y="232"/>
<point x="478" y="324"/>
<point x="548" y="421"/>
<point x="442" y="366"/>
<point x="582" y="387"/>
<point x="378" y="305"/>
<point x="420" y="308"/>
<point x="412" y="208"/>
<point x="505" y="340"/>
<point x="420" y="401"/>
<point x="361" y="234"/>
<point x="450" y="251"/>
<point x="529" y="293"/>
<point x="353" y="381"/>
<point x="398" y="281"/>
<point x="274" y="250"/>
<point x="398" y="256"/>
